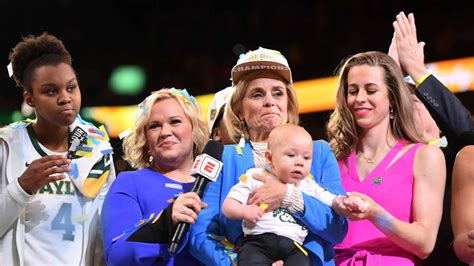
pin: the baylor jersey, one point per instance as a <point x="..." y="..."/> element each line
<point x="56" y="216"/>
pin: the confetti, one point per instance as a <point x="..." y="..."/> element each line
<point x="84" y="154"/>
<point x="74" y="171"/>
<point x="439" y="142"/>
<point x="10" y="70"/>
<point x="79" y="219"/>
<point x="157" y="217"/>
<point x="106" y="151"/>
<point x="238" y="149"/>
<point x="301" y="248"/>
<point x="173" y="185"/>
<point x="125" y="133"/>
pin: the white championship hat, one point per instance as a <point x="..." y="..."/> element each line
<point x="261" y="59"/>
<point x="219" y="100"/>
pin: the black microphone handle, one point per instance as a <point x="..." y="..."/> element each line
<point x="200" y="185"/>
<point x="179" y="233"/>
<point x="214" y="149"/>
<point x="178" y="237"/>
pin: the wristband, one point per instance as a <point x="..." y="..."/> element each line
<point x="293" y="200"/>
<point x="420" y="80"/>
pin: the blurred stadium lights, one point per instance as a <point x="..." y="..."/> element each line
<point x="127" y="80"/>
<point x="314" y="95"/>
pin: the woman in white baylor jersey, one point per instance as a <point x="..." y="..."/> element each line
<point x="51" y="188"/>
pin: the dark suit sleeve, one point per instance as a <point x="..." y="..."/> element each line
<point x="445" y="108"/>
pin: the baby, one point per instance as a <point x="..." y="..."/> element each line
<point x="276" y="235"/>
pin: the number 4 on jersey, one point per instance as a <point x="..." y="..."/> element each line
<point x="62" y="221"/>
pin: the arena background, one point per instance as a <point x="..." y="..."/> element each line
<point x="194" y="44"/>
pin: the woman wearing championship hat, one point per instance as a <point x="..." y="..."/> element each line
<point x="263" y="99"/>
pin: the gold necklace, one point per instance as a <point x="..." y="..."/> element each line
<point x="374" y="158"/>
<point x="368" y="160"/>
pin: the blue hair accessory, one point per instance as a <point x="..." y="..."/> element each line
<point x="141" y="109"/>
<point x="184" y="95"/>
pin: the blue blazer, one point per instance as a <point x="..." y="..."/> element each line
<point x="325" y="226"/>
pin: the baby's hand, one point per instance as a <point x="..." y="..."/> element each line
<point x="252" y="213"/>
<point x="346" y="205"/>
<point x="355" y="204"/>
<point x="339" y="207"/>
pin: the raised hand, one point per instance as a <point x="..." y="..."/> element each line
<point x="410" y="52"/>
<point x="393" y="50"/>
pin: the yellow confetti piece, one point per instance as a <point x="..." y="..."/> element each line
<point x="243" y="178"/>
<point x="84" y="154"/>
<point x="301" y="248"/>
<point x="182" y="98"/>
<point x="157" y="217"/>
<point x="106" y="136"/>
<point x="263" y="206"/>
<point x="238" y="149"/>
<point x="170" y="200"/>
<point x="228" y="245"/>
<point x="78" y="219"/>
<point x="151" y="216"/>
<point x="310" y="176"/>
<point x="440" y="142"/>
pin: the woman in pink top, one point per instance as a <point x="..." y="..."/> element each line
<point x="383" y="162"/>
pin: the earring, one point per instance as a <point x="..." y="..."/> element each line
<point x="242" y="135"/>
<point x="150" y="158"/>
<point x="391" y="113"/>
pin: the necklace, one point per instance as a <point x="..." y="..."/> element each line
<point x="373" y="159"/>
<point x="368" y="160"/>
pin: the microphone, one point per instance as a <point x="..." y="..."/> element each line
<point x="78" y="137"/>
<point x="206" y="167"/>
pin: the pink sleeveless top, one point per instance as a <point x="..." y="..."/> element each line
<point x="391" y="188"/>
